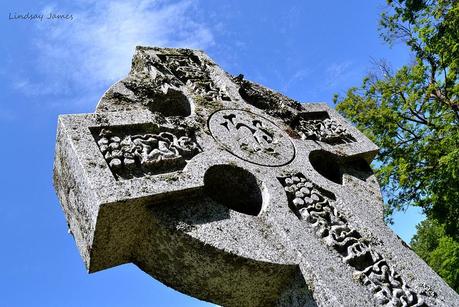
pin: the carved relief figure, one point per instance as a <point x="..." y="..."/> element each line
<point x="253" y="137"/>
<point x="195" y="75"/>
<point x="315" y="206"/>
<point x="136" y="155"/>
<point x="325" y="130"/>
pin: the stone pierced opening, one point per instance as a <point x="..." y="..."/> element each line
<point x="235" y="188"/>
<point x="358" y="168"/>
<point x="333" y="167"/>
<point x="326" y="164"/>
<point x="172" y="103"/>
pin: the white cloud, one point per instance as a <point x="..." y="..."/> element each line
<point x="95" y="48"/>
<point x="338" y="73"/>
<point x="298" y="77"/>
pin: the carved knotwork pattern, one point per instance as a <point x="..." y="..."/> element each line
<point x="143" y="154"/>
<point x="195" y="75"/>
<point x="325" y="130"/>
<point x="315" y="206"/>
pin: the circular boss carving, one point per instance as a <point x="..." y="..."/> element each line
<point x="251" y="137"/>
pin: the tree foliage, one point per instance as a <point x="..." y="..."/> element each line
<point x="412" y="113"/>
<point x="439" y="250"/>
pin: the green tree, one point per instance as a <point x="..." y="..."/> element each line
<point x="439" y="250"/>
<point x="412" y="114"/>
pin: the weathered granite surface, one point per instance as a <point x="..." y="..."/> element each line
<point x="232" y="193"/>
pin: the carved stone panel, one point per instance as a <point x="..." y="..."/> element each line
<point x="135" y="155"/>
<point x="320" y="127"/>
<point x="251" y="137"/>
<point x="315" y="206"/>
<point x="194" y="73"/>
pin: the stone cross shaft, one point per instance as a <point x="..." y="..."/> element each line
<point x="232" y="193"/>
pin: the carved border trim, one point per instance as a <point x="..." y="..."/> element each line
<point x="315" y="206"/>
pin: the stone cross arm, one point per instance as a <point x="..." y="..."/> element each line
<point x="232" y="193"/>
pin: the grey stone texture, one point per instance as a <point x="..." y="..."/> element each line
<point x="232" y="193"/>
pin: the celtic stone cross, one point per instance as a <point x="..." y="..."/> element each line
<point x="232" y="193"/>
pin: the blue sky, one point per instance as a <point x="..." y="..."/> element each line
<point x="308" y="51"/>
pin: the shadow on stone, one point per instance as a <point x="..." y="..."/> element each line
<point x="296" y="293"/>
<point x="326" y="164"/>
<point x="234" y="187"/>
<point x="172" y="103"/>
<point x="358" y="168"/>
<point x="193" y="210"/>
<point x="333" y="167"/>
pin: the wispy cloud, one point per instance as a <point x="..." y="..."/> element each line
<point x="95" y="48"/>
<point x="298" y="77"/>
<point x="338" y="73"/>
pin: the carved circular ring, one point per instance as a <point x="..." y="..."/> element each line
<point x="251" y="137"/>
